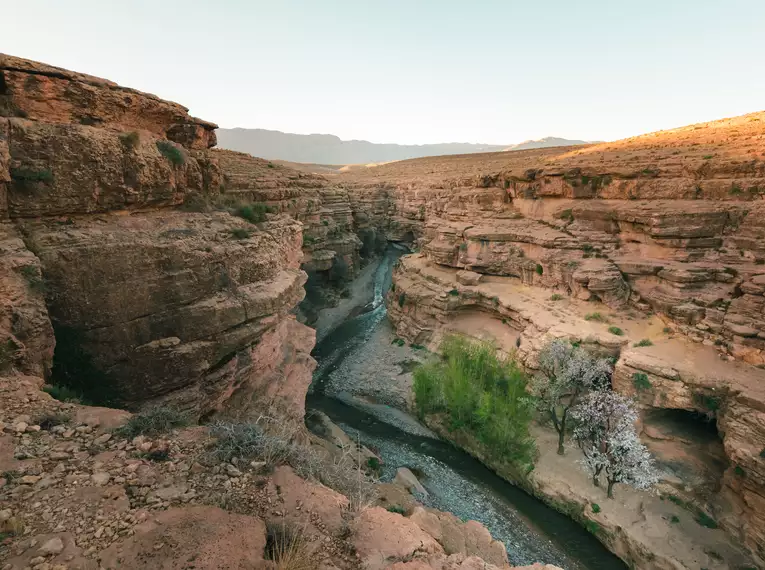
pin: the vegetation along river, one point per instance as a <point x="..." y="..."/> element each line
<point x="455" y="481"/>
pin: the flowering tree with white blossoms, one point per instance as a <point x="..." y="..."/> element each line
<point x="567" y="373"/>
<point x="606" y="434"/>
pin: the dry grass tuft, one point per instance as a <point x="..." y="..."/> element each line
<point x="287" y="546"/>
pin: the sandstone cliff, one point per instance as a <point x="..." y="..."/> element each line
<point x="151" y="296"/>
<point x="655" y="237"/>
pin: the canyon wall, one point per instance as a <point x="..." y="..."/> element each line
<point x="118" y="234"/>
<point x="656" y="239"/>
<point x="141" y="265"/>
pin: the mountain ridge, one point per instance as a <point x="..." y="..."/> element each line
<point x="331" y="149"/>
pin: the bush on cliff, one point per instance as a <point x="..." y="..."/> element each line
<point x="153" y="421"/>
<point x="482" y="394"/>
<point x="253" y="213"/>
<point x="171" y="152"/>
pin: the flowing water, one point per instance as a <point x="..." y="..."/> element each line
<point x="531" y="531"/>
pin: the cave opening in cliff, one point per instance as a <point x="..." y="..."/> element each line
<point x="687" y="445"/>
<point x="74" y="376"/>
<point x="3" y="84"/>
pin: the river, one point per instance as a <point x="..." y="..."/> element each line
<point x="455" y="481"/>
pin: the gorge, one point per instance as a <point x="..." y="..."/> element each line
<point x="143" y="268"/>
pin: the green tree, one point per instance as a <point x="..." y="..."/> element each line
<point x="481" y="393"/>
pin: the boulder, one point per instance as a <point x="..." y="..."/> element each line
<point x="468" y="277"/>
<point x="407" y="479"/>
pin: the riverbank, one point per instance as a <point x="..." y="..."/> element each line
<point x="648" y="530"/>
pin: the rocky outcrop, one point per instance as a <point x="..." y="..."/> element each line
<point x="50" y="94"/>
<point x="156" y="289"/>
<point x="77" y="493"/>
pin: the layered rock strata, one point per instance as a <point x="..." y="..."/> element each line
<point x="116" y="214"/>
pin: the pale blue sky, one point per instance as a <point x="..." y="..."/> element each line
<point x="416" y="71"/>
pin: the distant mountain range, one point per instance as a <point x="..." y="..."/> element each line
<point x="329" y="149"/>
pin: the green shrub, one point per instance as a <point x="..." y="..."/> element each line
<point x="595" y="317"/>
<point x="481" y="394"/>
<point x="373" y="463"/>
<point x="130" y="140"/>
<point x="643" y="342"/>
<point x="641" y="381"/>
<point x="414" y="346"/>
<point x="398" y="341"/>
<point x="595" y="508"/>
<point x="454" y="293"/>
<point x="397" y="509"/>
<point x="677" y="500"/>
<point x="705" y="520"/>
<point x="240" y="233"/>
<point x="556" y="297"/>
<point x="566" y="215"/>
<point x="675" y="519"/>
<point x="707" y="156"/>
<point x="616" y="330"/>
<point x="271" y="165"/>
<point x="253" y="213"/>
<point x="171" y="152"/>
<point x="593" y="527"/>
<point x="26" y="177"/>
<point x="63" y="393"/>
<point x="706" y="402"/>
<point x="401" y="299"/>
<point x="762" y="453"/>
<point x="153" y="422"/>
<point x="739" y="471"/>
<point x="539" y="269"/>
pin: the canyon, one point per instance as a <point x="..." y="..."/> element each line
<point x="144" y="267"/>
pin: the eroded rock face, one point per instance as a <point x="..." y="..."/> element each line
<point x="26" y="335"/>
<point x="156" y="291"/>
<point x="50" y="94"/>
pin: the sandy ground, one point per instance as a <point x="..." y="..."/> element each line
<point x="644" y="516"/>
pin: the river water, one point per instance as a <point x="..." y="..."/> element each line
<point x="531" y="531"/>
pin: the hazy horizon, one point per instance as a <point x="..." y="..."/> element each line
<point x="427" y="72"/>
<point x="506" y="143"/>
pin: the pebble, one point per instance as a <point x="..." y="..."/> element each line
<point x="100" y="478"/>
